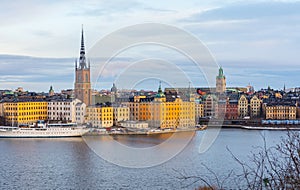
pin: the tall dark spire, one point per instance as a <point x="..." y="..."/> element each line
<point x="82" y="59"/>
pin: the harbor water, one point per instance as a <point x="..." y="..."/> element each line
<point x="69" y="163"/>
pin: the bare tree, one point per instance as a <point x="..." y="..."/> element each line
<point x="276" y="167"/>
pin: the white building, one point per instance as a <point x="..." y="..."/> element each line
<point x="121" y="113"/>
<point x="80" y="112"/>
<point x="64" y="110"/>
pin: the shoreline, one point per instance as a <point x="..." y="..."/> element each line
<point x="244" y="127"/>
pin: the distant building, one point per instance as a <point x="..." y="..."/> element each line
<point x="160" y="113"/>
<point x="210" y="105"/>
<point x="69" y="93"/>
<point x="199" y="111"/>
<point x="255" y="107"/>
<point x="62" y="110"/>
<point x="82" y="87"/>
<point x="51" y="91"/>
<point x="80" y="112"/>
<point x="220" y="82"/>
<point x="121" y="113"/>
<point x="232" y="110"/>
<point x="24" y="112"/>
<point x="243" y="106"/>
<point x="100" y="116"/>
<point x="281" y="111"/>
<point x="221" y="108"/>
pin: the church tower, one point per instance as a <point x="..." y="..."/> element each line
<point x="220" y="82"/>
<point x="82" y="87"/>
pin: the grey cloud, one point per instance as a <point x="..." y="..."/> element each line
<point x="32" y="69"/>
<point x="247" y="11"/>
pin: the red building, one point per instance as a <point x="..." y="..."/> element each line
<point x="232" y="110"/>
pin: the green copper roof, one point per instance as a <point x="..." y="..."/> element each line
<point x="160" y="93"/>
<point x="221" y="73"/>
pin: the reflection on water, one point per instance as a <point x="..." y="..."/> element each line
<point x="136" y="151"/>
<point x="142" y="141"/>
<point x="70" y="164"/>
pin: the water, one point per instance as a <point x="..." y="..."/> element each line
<point x="70" y="164"/>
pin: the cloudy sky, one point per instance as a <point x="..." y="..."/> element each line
<point x="256" y="42"/>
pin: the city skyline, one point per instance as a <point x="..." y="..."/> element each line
<point x="254" y="42"/>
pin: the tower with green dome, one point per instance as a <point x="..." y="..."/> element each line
<point x="220" y="82"/>
<point x="160" y="96"/>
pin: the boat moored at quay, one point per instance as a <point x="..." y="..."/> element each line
<point x="43" y="130"/>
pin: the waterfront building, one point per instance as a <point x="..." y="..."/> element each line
<point x="133" y="106"/>
<point x="221" y="106"/>
<point x="232" y="109"/>
<point x="159" y="112"/>
<point x="243" y="106"/>
<point x="220" y="82"/>
<point x="100" y="116"/>
<point x="281" y="111"/>
<point x="210" y="105"/>
<point x="120" y="113"/>
<point x="82" y="86"/>
<point x="199" y="111"/>
<point x="255" y="107"/>
<point x="80" y="112"/>
<point x="62" y="110"/>
<point x="24" y="112"/>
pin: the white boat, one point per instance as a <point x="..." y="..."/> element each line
<point x="46" y="131"/>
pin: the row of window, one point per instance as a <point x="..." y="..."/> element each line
<point x="57" y="113"/>
<point x="59" y="108"/>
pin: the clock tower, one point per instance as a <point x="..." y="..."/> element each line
<point x="220" y="82"/>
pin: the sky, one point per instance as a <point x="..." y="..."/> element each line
<point x="255" y="41"/>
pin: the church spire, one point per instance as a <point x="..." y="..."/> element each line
<point x="82" y="59"/>
<point x="159" y="88"/>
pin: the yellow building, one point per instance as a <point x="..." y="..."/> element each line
<point x="100" y="116"/>
<point x="199" y="111"/>
<point x="163" y="114"/>
<point x="284" y="112"/>
<point x="18" y="113"/>
<point x="278" y="95"/>
<point x="243" y="106"/>
<point x="255" y="106"/>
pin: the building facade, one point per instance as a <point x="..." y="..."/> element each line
<point x="281" y="112"/>
<point x="63" y="110"/>
<point x="120" y="113"/>
<point x="199" y="111"/>
<point x="82" y="86"/>
<point x="100" y="116"/>
<point x="24" y="112"/>
<point x="220" y="82"/>
<point x="232" y="110"/>
<point x="255" y="107"/>
<point x="160" y="113"/>
<point x="210" y="106"/>
<point x="80" y="113"/>
<point x="243" y="106"/>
